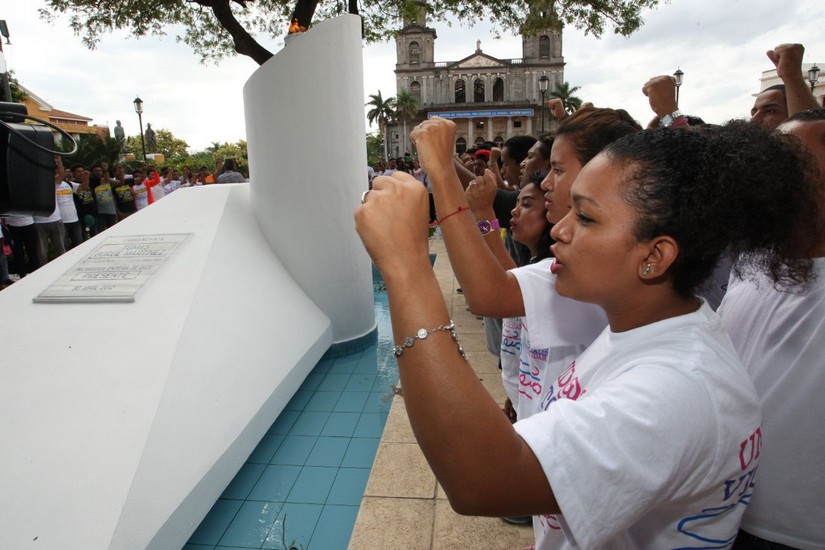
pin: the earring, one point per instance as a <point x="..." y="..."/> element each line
<point x="646" y="270"/>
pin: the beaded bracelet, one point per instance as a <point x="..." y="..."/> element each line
<point x="681" y="121"/>
<point x="423" y="333"/>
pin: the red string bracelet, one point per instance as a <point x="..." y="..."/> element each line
<point x="439" y="222"/>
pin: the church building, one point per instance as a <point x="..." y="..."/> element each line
<point x="489" y="99"/>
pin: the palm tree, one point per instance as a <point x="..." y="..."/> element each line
<point x="564" y="92"/>
<point x="383" y="111"/>
<point x="406" y="107"/>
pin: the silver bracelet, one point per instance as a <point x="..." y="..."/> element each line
<point x="423" y="333"/>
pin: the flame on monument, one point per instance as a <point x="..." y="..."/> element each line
<point x="295" y="27"/>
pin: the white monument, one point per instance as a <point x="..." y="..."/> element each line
<point x="122" y="422"/>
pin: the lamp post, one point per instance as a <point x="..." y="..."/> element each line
<point x="139" y="110"/>
<point x="544" y="82"/>
<point x="813" y="76"/>
<point x="678" y="76"/>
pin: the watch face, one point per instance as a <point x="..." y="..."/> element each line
<point x="484" y="226"/>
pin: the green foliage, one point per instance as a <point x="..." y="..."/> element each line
<point x="406" y="105"/>
<point x="91" y="150"/>
<point x="17" y="93"/>
<point x="375" y="148"/>
<point x="233" y="150"/>
<point x="91" y="19"/>
<point x="564" y="92"/>
<point x="167" y="144"/>
<point x="383" y="111"/>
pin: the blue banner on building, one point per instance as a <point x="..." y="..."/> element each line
<point x="483" y="114"/>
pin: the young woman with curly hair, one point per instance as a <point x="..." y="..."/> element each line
<point x="650" y="438"/>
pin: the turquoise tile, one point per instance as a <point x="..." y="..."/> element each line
<point x="349" y="485"/>
<point x="328" y="451"/>
<point x="345" y="365"/>
<point x="266" y="449"/>
<point x="294" y="450"/>
<point x="284" y="422"/>
<point x="251" y="525"/>
<point x="244" y="480"/>
<point x="213" y="526"/>
<point x="275" y="483"/>
<point x="361" y="452"/>
<point x="385" y="382"/>
<point x="190" y="546"/>
<point x="299" y="400"/>
<point x="323" y="365"/>
<point x="322" y="401"/>
<point x="341" y="424"/>
<point x="294" y="526"/>
<point x="370" y="425"/>
<point x="360" y="382"/>
<point x="351" y="401"/>
<point x="312" y="380"/>
<point x="378" y="402"/>
<point x="334" y="382"/>
<point x="313" y="485"/>
<point x="334" y="528"/>
<point x="309" y="423"/>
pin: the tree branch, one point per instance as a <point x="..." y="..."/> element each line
<point x="245" y="44"/>
<point x="304" y="11"/>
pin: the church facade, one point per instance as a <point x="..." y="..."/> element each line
<point x="489" y="99"/>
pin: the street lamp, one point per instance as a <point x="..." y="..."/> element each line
<point x="813" y="76"/>
<point x="139" y="110"/>
<point x="544" y="82"/>
<point x="678" y="76"/>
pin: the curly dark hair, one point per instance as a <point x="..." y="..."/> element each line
<point x="518" y="147"/>
<point x="736" y="189"/>
<point x="591" y="129"/>
<point x="545" y="146"/>
<point x="811" y="114"/>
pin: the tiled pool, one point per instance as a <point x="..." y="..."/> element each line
<point x="302" y="486"/>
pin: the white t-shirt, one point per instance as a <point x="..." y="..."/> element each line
<point x="54" y="217"/>
<point x="19" y="221"/>
<point x="780" y="337"/>
<point x="64" y="195"/>
<point x="141" y="193"/>
<point x="528" y="369"/>
<point x="650" y="440"/>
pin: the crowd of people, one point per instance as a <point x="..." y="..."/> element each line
<point x="88" y="202"/>
<point x="657" y="303"/>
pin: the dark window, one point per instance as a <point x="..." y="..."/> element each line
<point x="415" y="89"/>
<point x="460" y="92"/>
<point x="415" y="53"/>
<point x="516" y="124"/>
<point x="460" y="145"/>
<point x="479" y="141"/>
<point x="499" y="141"/>
<point x="498" y="90"/>
<point x="544" y="46"/>
<point x="478" y="91"/>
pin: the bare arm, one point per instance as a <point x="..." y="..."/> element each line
<point x="459" y="427"/>
<point x="788" y="61"/>
<point x="464" y="175"/>
<point x="495" y="154"/>
<point x="489" y="289"/>
<point x="480" y="195"/>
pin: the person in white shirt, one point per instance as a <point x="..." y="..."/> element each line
<point x="650" y="439"/>
<point x="50" y="228"/>
<point x="780" y="336"/>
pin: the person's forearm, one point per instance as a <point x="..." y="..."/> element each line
<point x="799" y="96"/>
<point x="459" y="427"/>
<point x="464" y="175"/>
<point x="500" y="183"/>
<point x="487" y="286"/>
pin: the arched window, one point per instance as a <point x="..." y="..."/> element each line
<point x="415" y="53"/>
<point x="478" y="91"/>
<point x="460" y="92"/>
<point x="479" y="141"/>
<point x="498" y="90"/>
<point x="499" y="141"/>
<point x="460" y="145"/>
<point x="544" y="46"/>
<point x="415" y="90"/>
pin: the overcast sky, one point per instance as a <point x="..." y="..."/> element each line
<point x="719" y="44"/>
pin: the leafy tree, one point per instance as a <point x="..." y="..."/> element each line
<point x="17" y="93"/>
<point x="564" y="92"/>
<point x="91" y="150"/>
<point x="167" y="144"/>
<point x="383" y="112"/>
<point x="236" y="151"/>
<point x="406" y="107"/>
<point x="218" y="28"/>
<point x="375" y="146"/>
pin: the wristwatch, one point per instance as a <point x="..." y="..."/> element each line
<point x="487" y="226"/>
<point x="667" y="120"/>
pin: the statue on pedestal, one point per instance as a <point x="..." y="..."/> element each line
<point x="151" y="144"/>
<point x="120" y="135"/>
